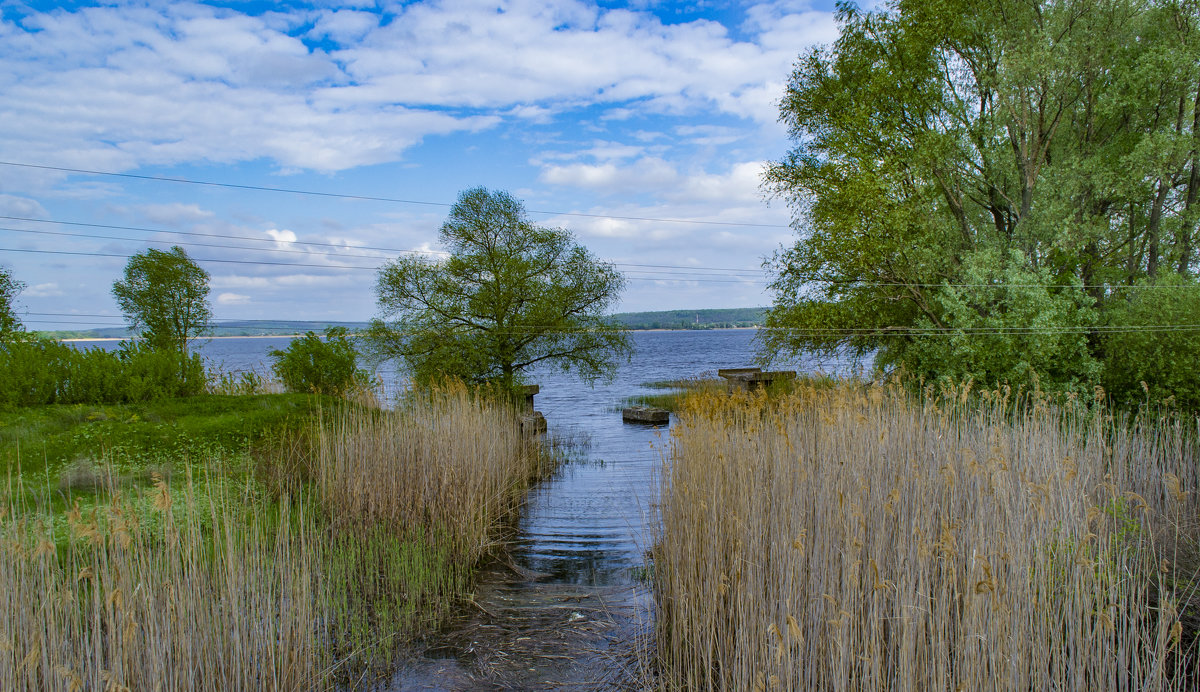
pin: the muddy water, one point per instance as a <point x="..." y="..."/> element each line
<point x="566" y="609"/>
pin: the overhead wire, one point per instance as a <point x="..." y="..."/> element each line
<point x="265" y="324"/>
<point x="313" y="244"/>
<point x="676" y="270"/>
<point x="371" y="198"/>
<point x="678" y="277"/>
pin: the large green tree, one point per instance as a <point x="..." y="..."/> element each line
<point x="509" y="295"/>
<point x="1004" y="169"/>
<point x="10" y="324"/>
<point x="164" y="296"/>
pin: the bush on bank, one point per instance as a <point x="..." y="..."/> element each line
<point x="314" y="365"/>
<point x="34" y="372"/>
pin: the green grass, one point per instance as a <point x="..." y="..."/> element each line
<point x="50" y="438"/>
<point x="369" y="525"/>
<point x="678" y="389"/>
<point x="67" y="453"/>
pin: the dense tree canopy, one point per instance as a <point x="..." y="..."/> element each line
<point x="164" y="296"/>
<point x="509" y="295"/>
<point x="980" y="184"/>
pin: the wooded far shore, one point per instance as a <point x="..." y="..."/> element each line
<point x="663" y="319"/>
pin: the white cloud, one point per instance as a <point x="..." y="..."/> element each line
<point x="121" y="86"/>
<point x="710" y="135"/>
<point x="46" y="290"/>
<point x="286" y="281"/>
<point x="12" y="205"/>
<point x="609" y="178"/>
<point x="174" y="213"/>
<point x="232" y="299"/>
<point x="344" y="26"/>
<point x="282" y="237"/>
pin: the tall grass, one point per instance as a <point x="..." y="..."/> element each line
<point x="856" y="538"/>
<point x="450" y="460"/>
<point x="188" y="598"/>
<point x="231" y="584"/>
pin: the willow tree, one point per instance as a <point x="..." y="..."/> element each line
<point x="164" y="295"/>
<point x="976" y="183"/>
<point x="508" y="295"/>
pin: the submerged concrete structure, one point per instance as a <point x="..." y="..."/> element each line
<point x="645" y="414"/>
<point x="752" y="379"/>
<point x="533" y="423"/>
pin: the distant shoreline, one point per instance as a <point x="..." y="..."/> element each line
<point x="237" y="336"/>
<point x="292" y="336"/>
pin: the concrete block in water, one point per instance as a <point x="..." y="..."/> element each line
<point x="533" y="424"/>
<point x="751" y="379"/>
<point x="526" y="393"/>
<point x="645" y="414"/>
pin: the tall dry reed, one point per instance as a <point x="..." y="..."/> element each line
<point x="162" y="590"/>
<point x="853" y="538"/>
<point x="223" y="584"/>
<point x="448" y="461"/>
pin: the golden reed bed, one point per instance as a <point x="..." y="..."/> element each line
<point x="859" y="538"/>
<point x="221" y="583"/>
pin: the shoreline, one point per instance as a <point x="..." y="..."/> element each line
<point x="238" y="336"/>
<point x="293" y="336"/>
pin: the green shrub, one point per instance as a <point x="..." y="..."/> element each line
<point x="42" y="371"/>
<point x="1150" y="339"/>
<point x="1007" y="324"/>
<point x="320" y="366"/>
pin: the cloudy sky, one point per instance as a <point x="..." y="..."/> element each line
<point x="641" y="126"/>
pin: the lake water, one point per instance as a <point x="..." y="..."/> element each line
<point x="571" y="583"/>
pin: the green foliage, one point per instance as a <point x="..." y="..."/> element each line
<point x="40" y="371"/>
<point x="944" y="147"/>
<point x="1008" y="325"/>
<point x="9" y="288"/>
<point x="164" y="296"/>
<point x="509" y="296"/>
<point x="319" y="366"/>
<point x="146" y="433"/>
<point x="1151" y="337"/>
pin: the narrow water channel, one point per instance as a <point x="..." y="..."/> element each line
<point x="566" y="610"/>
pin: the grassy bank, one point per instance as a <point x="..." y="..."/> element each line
<point x="858" y="538"/>
<point x="289" y="562"/>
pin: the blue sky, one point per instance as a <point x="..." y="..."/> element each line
<point x="597" y="114"/>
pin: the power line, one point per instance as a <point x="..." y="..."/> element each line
<point x="681" y="270"/>
<point x="910" y="331"/>
<point x="189" y="243"/>
<point x="197" y="259"/>
<point x="369" y="198"/>
<point x="988" y="331"/>
<point x="202" y="235"/>
<point x="302" y="242"/>
<point x="71" y="314"/>
<point x="680" y="277"/>
<point x="284" y="250"/>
